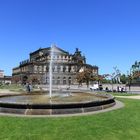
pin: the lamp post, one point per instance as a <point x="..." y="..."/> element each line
<point x="129" y="73"/>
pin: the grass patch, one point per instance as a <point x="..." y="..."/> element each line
<point x="122" y="124"/>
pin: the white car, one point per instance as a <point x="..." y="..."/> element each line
<point x="96" y="87"/>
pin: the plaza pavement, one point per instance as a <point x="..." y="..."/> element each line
<point x="130" y="97"/>
<point x="6" y="91"/>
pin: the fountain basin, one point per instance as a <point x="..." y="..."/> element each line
<point x="41" y="104"/>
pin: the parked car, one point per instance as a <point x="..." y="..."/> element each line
<point x="96" y="87"/>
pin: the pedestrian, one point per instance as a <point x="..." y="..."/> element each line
<point x="28" y="87"/>
<point x="118" y="88"/>
<point x="106" y="88"/>
<point x="122" y="89"/>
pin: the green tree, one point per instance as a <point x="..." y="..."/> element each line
<point x="85" y="76"/>
<point x="123" y="79"/>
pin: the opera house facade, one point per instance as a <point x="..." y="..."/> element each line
<point x="65" y="67"/>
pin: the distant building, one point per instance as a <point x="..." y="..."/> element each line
<point x="65" y="67"/>
<point x="4" y="79"/>
<point x="1" y="73"/>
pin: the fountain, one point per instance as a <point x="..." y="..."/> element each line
<point x="40" y="104"/>
<point x="66" y="102"/>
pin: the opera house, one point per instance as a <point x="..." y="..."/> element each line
<point x="65" y="67"/>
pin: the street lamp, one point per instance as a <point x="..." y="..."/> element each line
<point x="129" y="73"/>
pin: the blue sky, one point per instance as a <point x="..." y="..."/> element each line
<point x="106" y="31"/>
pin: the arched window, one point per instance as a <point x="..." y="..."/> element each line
<point x="64" y="80"/>
<point x="47" y="69"/>
<point x="58" y="68"/>
<point x="64" y="68"/>
<point x="53" y="69"/>
<point x="58" y="80"/>
<point x="69" y="80"/>
<point x="24" y="79"/>
<point x="53" y="80"/>
<point x="69" y="69"/>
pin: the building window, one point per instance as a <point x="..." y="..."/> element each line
<point x="69" y="69"/>
<point x="58" y="80"/>
<point x="64" y="81"/>
<point x="47" y="69"/>
<point x="69" y="80"/>
<point x="53" y="80"/>
<point x="24" y="79"/>
<point x="53" y="69"/>
<point x="58" y="68"/>
<point x="64" y="68"/>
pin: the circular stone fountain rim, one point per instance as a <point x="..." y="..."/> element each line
<point x="109" y="99"/>
<point x="57" y="109"/>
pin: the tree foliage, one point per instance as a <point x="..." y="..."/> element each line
<point x="84" y="77"/>
<point x="123" y="79"/>
<point x="87" y="76"/>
